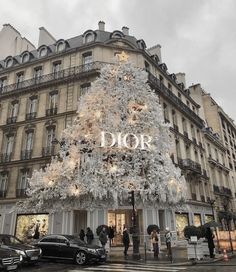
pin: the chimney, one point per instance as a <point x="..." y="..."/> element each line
<point x="101" y="25"/>
<point x="181" y="78"/>
<point x="125" y="30"/>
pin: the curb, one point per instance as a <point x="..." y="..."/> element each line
<point x="161" y="263"/>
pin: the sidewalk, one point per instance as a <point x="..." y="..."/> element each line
<point x="179" y="257"/>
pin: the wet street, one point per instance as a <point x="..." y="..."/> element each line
<point x="229" y="266"/>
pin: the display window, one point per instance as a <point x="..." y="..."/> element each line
<point x="31" y="226"/>
<point x="208" y="218"/>
<point x="197" y="220"/>
<point x="182" y="220"/>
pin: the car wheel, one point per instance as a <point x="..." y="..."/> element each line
<point x="80" y="257"/>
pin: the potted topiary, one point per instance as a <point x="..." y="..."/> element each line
<point x="194" y="247"/>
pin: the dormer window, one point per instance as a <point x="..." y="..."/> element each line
<point x="43" y="52"/>
<point x="9" y="62"/>
<point x="60" y="46"/>
<point x="25" y="57"/>
<point x="141" y="44"/>
<point x="117" y="34"/>
<point x="89" y="38"/>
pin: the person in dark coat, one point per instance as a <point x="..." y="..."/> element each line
<point x="126" y="241"/>
<point x="103" y="237"/>
<point x="210" y="236"/>
<point x="82" y="235"/>
<point x="111" y="234"/>
<point x="89" y="236"/>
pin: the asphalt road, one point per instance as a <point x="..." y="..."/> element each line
<point x="229" y="266"/>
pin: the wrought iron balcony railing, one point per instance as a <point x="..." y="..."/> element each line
<point x="3" y="193"/>
<point x="222" y="190"/>
<point x="30" y="116"/>
<point x="11" y="120"/>
<point x="5" y="157"/>
<point x="71" y="73"/>
<point x="52" y="111"/>
<point x="21" y="193"/>
<point x="26" y="154"/>
<point x="48" y="151"/>
<point x="188" y="164"/>
<point x="169" y="95"/>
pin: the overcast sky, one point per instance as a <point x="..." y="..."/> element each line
<point x="198" y="37"/>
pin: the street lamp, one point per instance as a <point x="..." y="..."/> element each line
<point x="135" y="234"/>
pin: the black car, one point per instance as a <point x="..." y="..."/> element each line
<point x="9" y="259"/>
<point x="69" y="247"/>
<point x="29" y="253"/>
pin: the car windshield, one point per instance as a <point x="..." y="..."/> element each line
<point x="10" y="240"/>
<point x="75" y="239"/>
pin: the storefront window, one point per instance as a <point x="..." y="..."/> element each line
<point x="31" y="226"/>
<point x="197" y="220"/>
<point x="181" y="222"/>
<point x="208" y="218"/>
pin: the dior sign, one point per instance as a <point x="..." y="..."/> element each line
<point x="128" y="140"/>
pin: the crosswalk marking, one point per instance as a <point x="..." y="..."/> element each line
<point x="130" y="268"/>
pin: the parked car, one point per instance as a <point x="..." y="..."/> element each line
<point x="9" y="259"/>
<point x="70" y="247"/>
<point x="29" y="253"/>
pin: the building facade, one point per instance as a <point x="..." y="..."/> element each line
<point x="39" y="91"/>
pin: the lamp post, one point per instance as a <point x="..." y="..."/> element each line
<point x="135" y="233"/>
<point x="212" y="202"/>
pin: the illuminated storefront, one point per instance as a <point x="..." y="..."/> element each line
<point x="31" y="226"/>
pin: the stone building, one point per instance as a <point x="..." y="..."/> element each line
<point x="39" y="90"/>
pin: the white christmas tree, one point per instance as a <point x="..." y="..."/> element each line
<point x="119" y="142"/>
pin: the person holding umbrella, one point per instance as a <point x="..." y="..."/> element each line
<point x="210" y="236"/>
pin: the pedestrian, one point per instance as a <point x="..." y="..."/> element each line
<point x="126" y="241"/>
<point x="89" y="236"/>
<point x="111" y="234"/>
<point x="82" y="234"/>
<point x="155" y="245"/>
<point x="210" y="236"/>
<point x="103" y="237"/>
<point x="168" y="236"/>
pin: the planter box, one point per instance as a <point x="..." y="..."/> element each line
<point x="195" y="251"/>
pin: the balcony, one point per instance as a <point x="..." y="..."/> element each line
<point x="188" y="164"/>
<point x="30" y="116"/>
<point x="5" y="157"/>
<point x="222" y="191"/>
<point x="165" y="92"/>
<point x="3" y="193"/>
<point x="70" y="74"/>
<point x="26" y="154"/>
<point x="48" y="151"/>
<point x="21" y="193"/>
<point x="218" y="164"/>
<point x="52" y="111"/>
<point x="11" y="120"/>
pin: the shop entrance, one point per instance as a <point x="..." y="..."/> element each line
<point x="120" y="219"/>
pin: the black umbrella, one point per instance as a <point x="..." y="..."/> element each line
<point x="151" y="228"/>
<point x="212" y="224"/>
